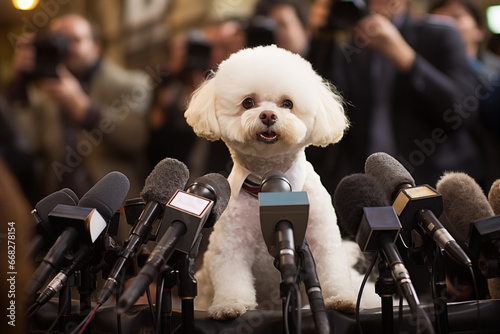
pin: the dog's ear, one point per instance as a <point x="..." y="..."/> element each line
<point x="331" y="121"/>
<point x="200" y="113"/>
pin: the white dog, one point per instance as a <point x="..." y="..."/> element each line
<point x="268" y="105"/>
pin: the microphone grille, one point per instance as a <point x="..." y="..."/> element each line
<point x="107" y="194"/>
<point x="389" y="172"/>
<point x="353" y="193"/>
<point x="223" y="193"/>
<point x="165" y="178"/>
<point x="275" y="181"/>
<point x="464" y="202"/>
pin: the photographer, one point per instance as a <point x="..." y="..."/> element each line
<point x="83" y="115"/>
<point x="409" y="87"/>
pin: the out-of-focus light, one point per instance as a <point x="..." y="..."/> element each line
<point x="25" y="4"/>
<point x="493" y="18"/>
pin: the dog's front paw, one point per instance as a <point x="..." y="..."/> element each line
<point x="228" y="310"/>
<point x="341" y="304"/>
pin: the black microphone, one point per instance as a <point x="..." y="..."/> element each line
<point x="84" y="222"/>
<point x="283" y="219"/>
<point x="415" y="205"/>
<point x="185" y="214"/>
<point x="165" y="178"/>
<point x="44" y="237"/>
<point x="213" y="186"/>
<point x="363" y="210"/>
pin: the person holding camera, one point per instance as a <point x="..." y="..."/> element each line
<point x="83" y="114"/>
<point x="409" y="87"/>
<point x="470" y="21"/>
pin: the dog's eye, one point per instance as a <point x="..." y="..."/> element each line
<point x="248" y="103"/>
<point x="287" y="104"/>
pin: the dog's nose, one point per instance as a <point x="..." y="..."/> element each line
<point x="268" y="117"/>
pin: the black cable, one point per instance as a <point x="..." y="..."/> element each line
<point x="119" y="291"/>
<point x="160" y="284"/>
<point x="476" y="291"/>
<point x="360" y="293"/>
<point x="298" y="307"/>
<point x="84" y="321"/>
<point x="285" y="315"/>
<point x="400" y="313"/>
<point x="56" y="320"/>
<point x="33" y="309"/>
<point x="151" y="306"/>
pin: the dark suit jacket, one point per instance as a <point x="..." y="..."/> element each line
<point x="433" y="107"/>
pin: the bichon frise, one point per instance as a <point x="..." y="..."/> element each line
<point x="268" y="104"/>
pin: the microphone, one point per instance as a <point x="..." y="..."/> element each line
<point x="415" y="205"/>
<point x="213" y="186"/>
<point x="168" y="175"/>
<point x="81" y="222"/>
<point x="44" y="237"/>
<point x="467" y="208"/>
<point x="283" y="219"/>
<point x="494" y="197"/>
<point x="363" y="209"/>
<point x="185" y="214"/>
<point x="464" y="203"/>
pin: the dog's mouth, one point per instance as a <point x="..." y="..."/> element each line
<point x="268" y="137"/>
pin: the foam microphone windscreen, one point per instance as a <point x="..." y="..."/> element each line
<point x="165" y="178"/>
<point x="353" y="193"/>
<point x="494" y="197"/>
<point x="464" y="202"/>
<point x="389" y="172"/>
<point x="107" y="194"/>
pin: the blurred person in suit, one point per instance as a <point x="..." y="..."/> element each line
<point x="83" y="115"/>
<point x="468" y="18"/>
<point x="291" y="19"/>
<point x="409" y="87"/>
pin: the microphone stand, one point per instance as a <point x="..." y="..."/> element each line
<point x="64" y="307"/>
<point x="181" y="269"/>
<point x="439" y="292"/>
<point x="386" y="288"/>
<point x="87" y="286"/>
<point x="307" y="274"/>
<point x="287" y="294"/>
<point x="165" y="282"/>
<point x="188" y="288"/>
<point x="433" y="258"/>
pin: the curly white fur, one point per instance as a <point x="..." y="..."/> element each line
<point x="238" y="273"/>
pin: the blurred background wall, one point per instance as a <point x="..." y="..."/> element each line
<point x="135" y="31"/>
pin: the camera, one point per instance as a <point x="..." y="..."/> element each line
<point x="260" y="30"/>
<point x="51" y="50"/>
<point x="198" y="53"/>
<point x="344" y="14"/>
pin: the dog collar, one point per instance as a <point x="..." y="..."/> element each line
<point x="251" y="187"/>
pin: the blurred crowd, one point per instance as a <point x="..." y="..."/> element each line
<point x="423" y="89"/>
<point x="70" y="115"/>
